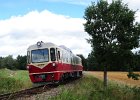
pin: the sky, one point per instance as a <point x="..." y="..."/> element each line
<point x="25" y="22"/>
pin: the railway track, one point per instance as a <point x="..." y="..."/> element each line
<point x="26" y="92"/>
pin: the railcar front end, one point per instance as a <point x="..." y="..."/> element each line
<point x="42" y="64"/>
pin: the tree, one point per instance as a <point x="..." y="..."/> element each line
<point x="137" y="61"/>
<point x="84" y="61"/>
<point x="92" y="64"/>
<point x="1" y="62"/>
<point x="114" y="33"/>
<point x="21" y="62"/>
<point x="8" y="62"/>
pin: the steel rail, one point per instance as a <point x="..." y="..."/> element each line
<point x="26" y="92"/>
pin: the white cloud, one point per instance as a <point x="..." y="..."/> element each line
<point x="133" y="4"/>
<point x="18" y="32"/>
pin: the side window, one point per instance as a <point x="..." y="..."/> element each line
<point x="52" y="54"/>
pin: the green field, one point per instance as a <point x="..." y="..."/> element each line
<point x="13" y="80"/>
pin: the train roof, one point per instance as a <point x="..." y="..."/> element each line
<point x="62" y="46"/>
<point x="41" y="44"/>
<point x="47" y="45"/>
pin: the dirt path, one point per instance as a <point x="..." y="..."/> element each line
<point x="120" y="77"/>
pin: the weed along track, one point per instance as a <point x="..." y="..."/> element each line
<point x="26" y="92"/>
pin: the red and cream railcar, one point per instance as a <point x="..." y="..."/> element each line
<point x="48" y="62"/>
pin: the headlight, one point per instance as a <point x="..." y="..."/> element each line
<point x="28" y="67"/>
<point x="39" y="44"/>
<point x="53" y="64"/>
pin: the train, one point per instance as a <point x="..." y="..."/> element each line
<point x="49" y="63"/>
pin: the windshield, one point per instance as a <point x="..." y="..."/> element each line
<point x="40" y="55"/>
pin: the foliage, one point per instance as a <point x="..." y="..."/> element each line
<point x="84" y="62"/>
<point x="11" y="81"/>
<point x="11" y="63"/>
<point x="91" y="88"/>
<point x="136" y="61"/>
<point x="8" y="62"/>
<point x="93" y="65"/>
<point x="21" y="62"/>
<point x="133" y="75"/>
<point x="114" y="33"/>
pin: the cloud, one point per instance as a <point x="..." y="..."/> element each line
<point x="18" y="32"/>
<point x="132" y="4"/>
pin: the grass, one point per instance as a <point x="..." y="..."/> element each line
<point x="11" y="81"/>
<point x="91" y="88"/>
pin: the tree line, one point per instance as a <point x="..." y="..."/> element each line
<point x="89" y="64"/>
<point x="10" y="63"/>
<point x="92" y="64"/>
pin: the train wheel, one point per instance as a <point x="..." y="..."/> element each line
<point x="56" y="83"/>
<point x="62" y="79"/>
<point x="81" y="74"/>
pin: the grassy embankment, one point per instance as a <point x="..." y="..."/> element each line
<point x="11" y="81"/>
<point x="91" y="88"/>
